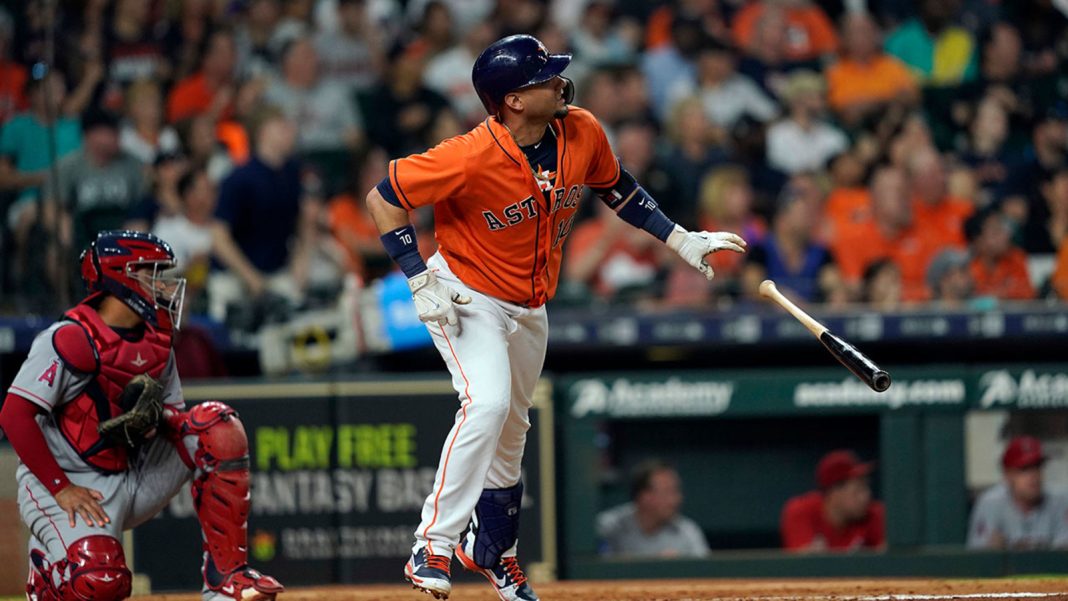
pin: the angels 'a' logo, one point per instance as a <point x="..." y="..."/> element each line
<point x="48" y="376"/>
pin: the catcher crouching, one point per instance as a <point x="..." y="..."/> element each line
<point x="97" y="418"/>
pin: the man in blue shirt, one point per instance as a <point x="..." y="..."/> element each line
<point x="265" y="219"/>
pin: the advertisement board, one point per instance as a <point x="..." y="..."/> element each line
<point x="339" y="474"/>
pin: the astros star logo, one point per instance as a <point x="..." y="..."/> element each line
<point x="545" y="179"/>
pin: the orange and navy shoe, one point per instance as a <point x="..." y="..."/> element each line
<point x="506" y="577"/>
<point x="429" y="573"/>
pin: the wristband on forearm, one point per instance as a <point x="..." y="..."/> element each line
<point x="634" y="205"/>
<point x="402" y="246"/>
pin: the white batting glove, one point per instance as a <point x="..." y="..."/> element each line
<point x="694" y="246"/>
<point x="435" y="301"/>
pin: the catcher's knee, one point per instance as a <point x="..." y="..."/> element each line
<point x="220" y="440"/>
<point x="98" y="570"/>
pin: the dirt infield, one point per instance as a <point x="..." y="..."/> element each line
<point x="719" y="590"/>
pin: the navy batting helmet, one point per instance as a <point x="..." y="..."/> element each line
<point x="515" y="62"/>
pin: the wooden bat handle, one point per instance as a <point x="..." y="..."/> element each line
<point x="768" y="290"/>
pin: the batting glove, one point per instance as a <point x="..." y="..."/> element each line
<point x="435" y="301"/>
<point x="693" y="246"/>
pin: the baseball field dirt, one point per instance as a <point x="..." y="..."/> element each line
<point x="718" y="590"/>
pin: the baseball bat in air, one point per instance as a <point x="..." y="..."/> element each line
<point x="847" y="354"/>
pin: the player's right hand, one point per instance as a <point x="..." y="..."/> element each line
<point x="78" y="500"/>
<point x="434" y="301"/>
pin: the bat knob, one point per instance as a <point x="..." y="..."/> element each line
<point x="766" y="288"/>
<point x="880" y="381"/>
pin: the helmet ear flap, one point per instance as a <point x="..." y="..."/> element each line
<point x="569" y="90"/>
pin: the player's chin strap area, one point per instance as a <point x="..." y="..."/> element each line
<point x="495" y="523"/>
<point x="211" y="440"/>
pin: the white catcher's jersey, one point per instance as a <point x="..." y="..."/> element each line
<point x="47" y="382"/>
<point x="495" y="355"/>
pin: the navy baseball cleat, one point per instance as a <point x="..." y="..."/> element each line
<point x="429" y="573"/>
<point x="506" y="577"/>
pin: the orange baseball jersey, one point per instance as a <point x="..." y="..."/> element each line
<point x="491" y="220"/>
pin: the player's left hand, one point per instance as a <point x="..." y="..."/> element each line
<point x="694" y="246"/>
<point x="434" y="301"/>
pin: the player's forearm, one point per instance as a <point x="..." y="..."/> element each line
<point x="387" y="217"/>
<point x="398" y="235"/>
<point x="17" y="420"/>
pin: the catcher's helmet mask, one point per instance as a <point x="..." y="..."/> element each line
<point x="514" y="63"/>
<point x="132" y="266"/>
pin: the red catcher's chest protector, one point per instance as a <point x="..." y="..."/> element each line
<point x="117" y="361"/>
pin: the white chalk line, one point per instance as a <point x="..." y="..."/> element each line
<point x="911" y="597"/>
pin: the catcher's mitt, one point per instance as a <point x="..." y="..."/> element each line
<point x="144" y="398"/>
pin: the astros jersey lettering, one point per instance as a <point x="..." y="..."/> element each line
<point x="493" y="225"/>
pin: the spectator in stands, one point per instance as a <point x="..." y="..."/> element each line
<point x="143" y="134"/>
<point x="809" y="33"/>
<point x="790" y="256"/>
<point x="405" y="110"/>
<point x="15" y="75"/>
<point x="865" y="81"/>
<point x="133" y="50"/>
<point x="258" y="39"/>
<point x="696" y="146"/>
<point x="765" y="61"/>
<point x="665" y="65"/>
<point x="841" y="515"/>
<point x="950" y="280"/>
<point x="210" y="90"/>
<point x="189" y="230"/>
<point x="848" y="203"/>
<point x="891" y="232"/>
<point x="326" y="114"/>
<point x="726" y="201"/>
<point x="1059" y="279"/>
<point x="985" y="153"/>
<point x="613" y="261"/>
<point x="25" y="154"/>
<point x="804" y="141"/>
<point x="932" y="206"/>
<point x="599" y="40"/>
<point x="198" y="135"/>
<point x="354" y="54"/>
<point x="449" y="73"/>
<point x="998" y="267"/>
<point x="265" y="220"/>
<point x="1023" y="198"/>
<point x="882" y="288"/>
<point x="353" y="227"/>
<point x="1048" y="236"/>
<point x="1020" y="513"/>
<point x="727" y="95"/>
<point x="434" y="29"/>
<point x="938" y="51"/>
<point x="650" y="525"/>
<point x="98" y="185"/>
<point x="183" y="40"/>
<point x="164" y="199"/>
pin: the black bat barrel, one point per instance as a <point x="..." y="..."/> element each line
<point x="856" y="362"/>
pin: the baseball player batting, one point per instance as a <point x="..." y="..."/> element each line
<point x="505" y="196"/>
<point x="97" y="418"/>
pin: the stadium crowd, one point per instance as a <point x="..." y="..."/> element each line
<point x="885" y="152"/>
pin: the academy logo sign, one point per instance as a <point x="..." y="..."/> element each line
<point x="1028" y="391"/>
<point x="670" y="398"/>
